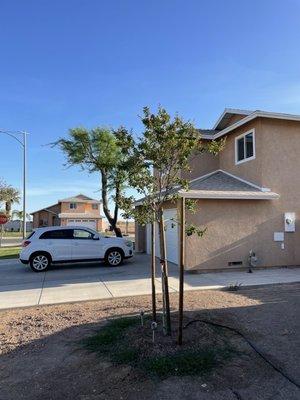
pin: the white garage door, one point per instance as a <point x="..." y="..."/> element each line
<point x="87" y="223"/>
<point x="170" y="218"/>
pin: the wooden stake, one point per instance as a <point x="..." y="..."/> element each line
<point x="164" y="268"/>
<point x="153" y="271"/>
<point x="181" y="269"/>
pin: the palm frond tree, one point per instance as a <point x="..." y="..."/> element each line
<point x="10" y="195"/>
<point x="19" y="215"/>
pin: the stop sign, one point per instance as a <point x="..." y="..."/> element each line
<point x="3" y="219"/>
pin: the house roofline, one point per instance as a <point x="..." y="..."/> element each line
<point x="266" y="193"/>
<point x="262" y="189"/>
<point x="45" y="209"/>
<point x="250" y="117"/>
<point x="228" y="196"/>
<point x="236" y="111"/>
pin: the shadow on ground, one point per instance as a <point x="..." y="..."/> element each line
<point x="50" y="364"/>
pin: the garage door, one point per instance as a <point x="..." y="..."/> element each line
<point x="87" y="223"/>
<point x="170" y="218"/>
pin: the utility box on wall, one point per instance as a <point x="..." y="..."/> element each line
<point x="289" y="222"/>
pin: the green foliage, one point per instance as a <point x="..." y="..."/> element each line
<point x="183" y="363"/>
<point x="109" y="335"/>
<point x="9" y="252"/>
<point x="98" y="150"/>
<point x="93" y="149"/>
<point x="192" y="229"/>
<point x="115" y="341"/>
<point x="156" y="162"/>
<point x="8" y="196"/>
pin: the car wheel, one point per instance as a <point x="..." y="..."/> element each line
<point x="114" y="257"/>
<point x="40" y="262"/>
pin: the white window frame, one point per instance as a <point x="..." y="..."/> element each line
<point x="236" y="147"/>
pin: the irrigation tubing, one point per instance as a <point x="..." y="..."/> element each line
<point x="252" y="345"/>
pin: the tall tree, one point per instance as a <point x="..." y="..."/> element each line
<point x="97" y="150"/>
<point x="156" y="163"/>
<point x="8" y="195"/>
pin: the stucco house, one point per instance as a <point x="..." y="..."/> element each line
<point x="248" y="196"/>
<point x="77" y="210"/>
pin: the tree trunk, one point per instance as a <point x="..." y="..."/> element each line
<point x="8" y="205"/>
<point x="164" y="271"/>
<point x="112" y="220"/>
<point x="117" y="231"/>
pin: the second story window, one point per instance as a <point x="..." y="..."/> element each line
<point x="73" y="206"/>
<point x="94" y="206"/>
<point x="245" y="147"/>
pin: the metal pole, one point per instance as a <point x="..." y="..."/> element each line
<point x="24" y="183"/>
<point x="181" y="270"/>
<point x="153" y="271"/>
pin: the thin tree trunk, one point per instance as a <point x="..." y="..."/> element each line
<point x="164" y="270"/>
<point x="112" y="220"/>
<point x="181" y="270"/>
<point x="153" y="271"/>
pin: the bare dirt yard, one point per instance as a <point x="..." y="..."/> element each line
<point x="70" y="351"/>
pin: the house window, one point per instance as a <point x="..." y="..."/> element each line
<point x="245" y="147"/>
<point x="73" y="206"/>
<point x="95" y="206"/>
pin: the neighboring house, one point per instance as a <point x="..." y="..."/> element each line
<point x="248" y="196"/>
<point x="16" y="225"/>
<point x="77" y="210"/>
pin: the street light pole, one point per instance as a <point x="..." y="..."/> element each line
<point x="24" y="182"/>
<point x="24" y="146"/>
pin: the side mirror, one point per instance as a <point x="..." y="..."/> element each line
<point x="96" y="238"/>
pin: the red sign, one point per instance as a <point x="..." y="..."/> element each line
<point x="3" y="219"/>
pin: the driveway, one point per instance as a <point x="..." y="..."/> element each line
<point x="20" y="287"/>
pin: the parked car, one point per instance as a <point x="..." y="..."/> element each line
<point x="50" y="245"/>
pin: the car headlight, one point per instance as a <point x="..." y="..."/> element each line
<point x="128" y="243"/>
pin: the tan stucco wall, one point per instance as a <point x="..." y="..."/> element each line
<point x="249" y="170"/>
<point x="201" y="164"/>
<point x="234" y="227"/>
<point x="233" y="119"/>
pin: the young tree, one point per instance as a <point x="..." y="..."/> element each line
<point x="156" y="163"/>
<point x="97" y="150"/>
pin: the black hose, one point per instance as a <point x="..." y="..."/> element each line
<point x="253" y="346"/>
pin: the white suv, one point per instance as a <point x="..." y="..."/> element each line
<point x="46" y="246"/>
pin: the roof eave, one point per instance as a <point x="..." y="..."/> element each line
<point x="250" y="117"/>
<point x="231" y="111"/>
<point x="198" y="194"/>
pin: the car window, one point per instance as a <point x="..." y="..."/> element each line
<point x="57" y="234"/>
<point x="82" y="234"/>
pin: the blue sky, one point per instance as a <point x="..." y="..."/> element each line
<point x="67" y="63"/>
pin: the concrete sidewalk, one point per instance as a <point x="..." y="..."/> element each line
<point x="20" y="287"/>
